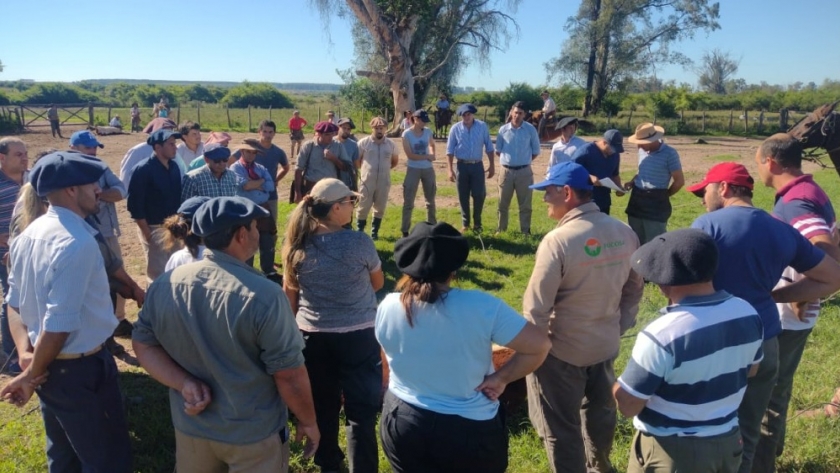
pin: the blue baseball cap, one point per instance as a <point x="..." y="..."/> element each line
<point x="64" y="169"/>
<point x="616" y="141"/>
<point x="566" y="174"/>
<point x="85" y="138"/>
<point x="221" y="213"/>
<point x="216" y="152"/>
<point x="467" y="107"/>
<point x="160" y="136"/>
<point x="189" y="206"/>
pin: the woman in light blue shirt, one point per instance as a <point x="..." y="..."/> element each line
<point x="441" y="411"/>
<point x="419" y="148"/>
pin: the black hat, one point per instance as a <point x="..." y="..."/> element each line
<point x="422" y="115"/>
<point x="431" y="251"/>
<point x="64" y="169"/>
<point x="222" y="213"/>
<point x="677" y="258"/>
<point x="467" y="107"/>
<point x="346" y="121"/>
<point x="160" y="136"/>
<point x="565" y="121"/>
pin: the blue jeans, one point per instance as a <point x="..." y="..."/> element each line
<point x="5" y="333"/>
<point x="348" y="365"/>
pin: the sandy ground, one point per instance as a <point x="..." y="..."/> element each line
<point x="692" y="156"/>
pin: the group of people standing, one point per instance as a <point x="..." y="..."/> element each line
<point x="708" y="382"/>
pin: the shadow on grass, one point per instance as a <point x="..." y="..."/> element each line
<point x="149" y="422"/>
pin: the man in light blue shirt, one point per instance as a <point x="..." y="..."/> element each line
<point x="517" y="144"/>
<point x="467" y="139"/>
<point x="60" y="315"/>
<point x="255" y="183"/>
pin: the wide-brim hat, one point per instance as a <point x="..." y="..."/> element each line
<point x="565" y="121"/>
<point x="646" y="133"/>
<point x="431" y="252"/>
<point x="248" y="144"/>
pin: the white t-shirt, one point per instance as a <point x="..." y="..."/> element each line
<point x="562" y="152"/>
<point x="182" y="257"/>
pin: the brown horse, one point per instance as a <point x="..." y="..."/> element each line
<point x="820" y="129"/>
<point x="443" y="118"/>
<point x="551" y="131"/>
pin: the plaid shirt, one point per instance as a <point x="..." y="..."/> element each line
<point x="202" y="182"/>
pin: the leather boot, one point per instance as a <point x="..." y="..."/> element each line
<point x="374" y="228"/>
<point x="360" y="225"/>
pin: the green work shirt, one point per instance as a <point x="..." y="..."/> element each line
<point x="232" y="328"/>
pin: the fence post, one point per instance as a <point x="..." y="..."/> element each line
<point x="249" y="118"/>
<point x="783" y="119"/>
<point x="198" y="112"/>
<point x="629" y="117"/>
<point x="90" y="113"/>
<point x="269" y="113"/>
<point x="178" y="114"/>
<point x="682" y="115"/>
<point x="227" y="111"/>
<point x="731" y="114"/>
<point x="609" y="118"/>
<point x="109" y="114"/>
<point x="761" y="121"/>
<point x="654" y="118"/>
<point x="318" y="118"/>
<point x="746" y="121"/>
<point x="20" y="116"/>
<point x="704" y="121"/>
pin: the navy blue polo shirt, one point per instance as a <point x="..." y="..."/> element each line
<point x="593" y="160"/>
<point x="154" y="191"/>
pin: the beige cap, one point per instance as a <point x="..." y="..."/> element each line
<point x="331" y="190"/>
<point x="378" y="121"/>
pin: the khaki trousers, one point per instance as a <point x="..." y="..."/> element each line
<point x="517" y="181"/>
<point x="156" y="255"/>
<point x="574" y="413"/>
<point x="195" y="455"/>
<point x="374" y="189"/>
<point x="413" y="178"/>
<point x="652" y="454"/>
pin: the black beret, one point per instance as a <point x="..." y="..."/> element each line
<point x="189" y="206"/>
<point x="431" y="251"/>
<point x="160" y="136"/>
<point x="677" y="258"/>
<point x="64" y="169"/>
<point x="467" y="107"/>
<point x="221" y="213"/>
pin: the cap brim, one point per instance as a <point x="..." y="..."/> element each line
<point x="618" y="148"/>
<point x="653" y="139"/>
<point x="541" y="186"/>
<point x="698" y="189"/>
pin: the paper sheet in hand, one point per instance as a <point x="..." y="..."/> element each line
<point x="607" y="182"/>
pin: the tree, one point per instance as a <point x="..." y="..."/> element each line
<point x="257" y="95"/>
<point x="716" y="71"/>
<point x="416" y="45"/>
<point x="613" y="39"/>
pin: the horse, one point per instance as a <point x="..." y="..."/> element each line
<point x="551" y="132"/>
<point x="820" y="129"/>
<point x="443" y="118"/>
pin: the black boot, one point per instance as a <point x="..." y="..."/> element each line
<point x="360" y="225"/>
<point x="374" y="228"/>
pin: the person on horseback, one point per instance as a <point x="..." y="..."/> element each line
<point x="548" y="110"/>
<point x="443" y="103"/>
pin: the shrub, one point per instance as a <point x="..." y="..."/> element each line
<point x="257" y="95"/>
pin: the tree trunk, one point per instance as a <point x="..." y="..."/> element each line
<point x="593" y="47"/>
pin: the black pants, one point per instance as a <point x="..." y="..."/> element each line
<point x="419" y="440"/>
<point x="345" y="364"/>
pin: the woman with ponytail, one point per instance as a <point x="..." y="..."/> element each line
<point x="441" y="411"/>
<point x="331" y="278"/>
<point x="179" y="233"/>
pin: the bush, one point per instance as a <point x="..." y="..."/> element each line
<point x="256" y="95"/>
<point x="57" y="93"/>
<point x="362" y="94"/>
<point x="4" y="99"/>
<point x="517" y="91"/>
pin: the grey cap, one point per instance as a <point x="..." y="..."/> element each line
<point x="222" y="213"/>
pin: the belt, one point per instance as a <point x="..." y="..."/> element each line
<point x="74" y="356"/>
<point x="467" y="161"/>
<point x="515" y="168"/>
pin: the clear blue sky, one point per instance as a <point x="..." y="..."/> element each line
<point x="285" y="41"/>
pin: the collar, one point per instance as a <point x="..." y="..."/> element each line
<point x="222" y="258"/>
<point x="697" y="301"/>
<point x="63" y="213"/>
<point x="794" y="182"/>
<point x="579" y="211"/>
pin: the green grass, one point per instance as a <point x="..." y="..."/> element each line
<point x="501" y="265"/>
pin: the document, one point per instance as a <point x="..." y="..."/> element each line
<point x="608" y="183"/>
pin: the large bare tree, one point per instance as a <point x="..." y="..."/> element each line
<point x="716" y="71"/>
<point x="418" y="41"/>
<point x="613" y="39"/>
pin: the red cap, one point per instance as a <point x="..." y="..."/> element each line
<point x="731" y="173"/>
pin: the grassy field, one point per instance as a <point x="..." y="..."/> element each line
<point x="501" y="265"/>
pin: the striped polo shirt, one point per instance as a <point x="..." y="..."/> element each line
<point x="691" y="366"/>
<point x="9" y="190"/>
<point x="655" y="168"/>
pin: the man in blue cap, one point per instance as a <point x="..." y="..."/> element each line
<point x="153" y="195"/>
<point x="584" y="294"/>
<point x="213" y="179"/>
<point x="139" y="152"/>
<point x="61" y="315"/>
<point x="467" y="140"/>
<point x="112" y="191"/>
<point x="223" y="338"/>
<point x="602" y="158"/>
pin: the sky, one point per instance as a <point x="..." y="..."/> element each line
<point x="287" y="41"/>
